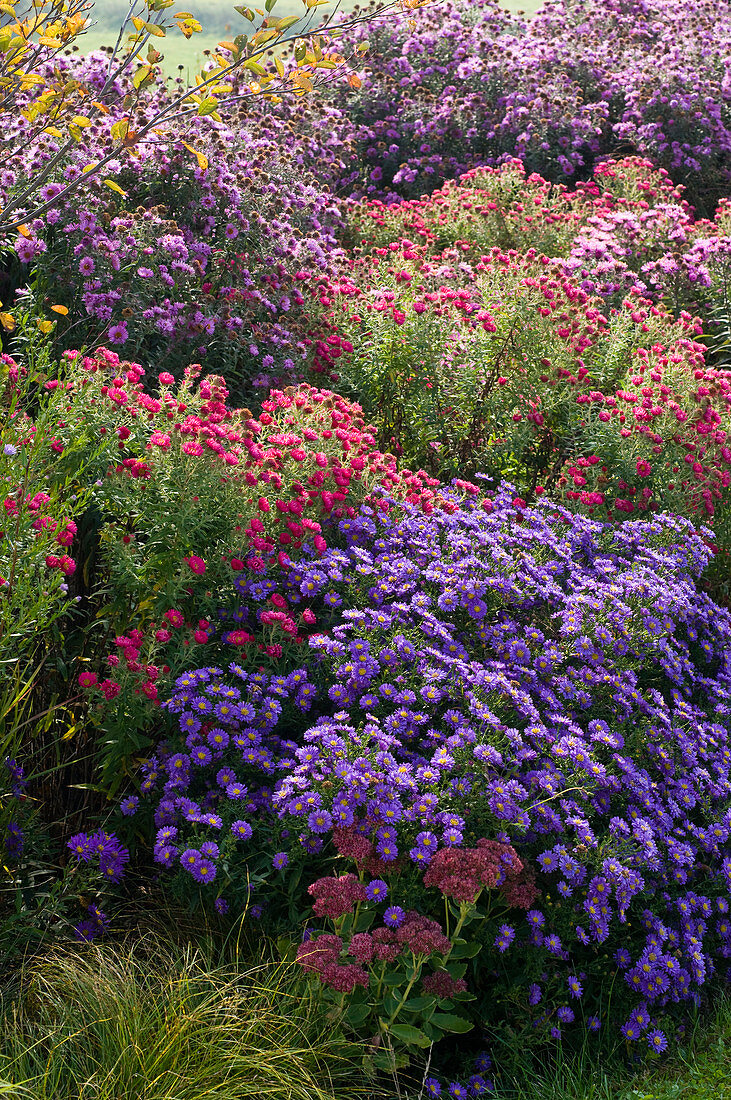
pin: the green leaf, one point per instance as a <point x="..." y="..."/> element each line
<point x="411" y="1035"/>
<point x="448" y="1022"/>
<point x="357" y="1014"/>
<point x="419" y="1004"/>
<point x="465" y="950"/>
<point x="141" y="75"/>
<point x="456" y="969"/>
<point x="434" y="1033"/>
<point x="389" y="1060"/>
<point x="392" y="980"/>
<point x="365" y="920"/>
<point x="281" y="25"/>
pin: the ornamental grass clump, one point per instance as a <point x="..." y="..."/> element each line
<point x="153" y="1019"/>
<point x="509" y="726"/>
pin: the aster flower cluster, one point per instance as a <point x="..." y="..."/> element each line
<point x="12" y="794"/>
<point x="37" y="527"/>
<point x="188" y="262"/>
<point x="468" y="84"/>
<point x="487" y="671"/>
<point x="92" y="926"/>
<point x="627" y="228"/>
<point x="103" y="847"/>
<point x="228" y="491"/>
<point x="617" y="412"/>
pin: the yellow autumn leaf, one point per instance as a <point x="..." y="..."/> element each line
<point x="60" y="309"/>
<point x="7" y="321"/>
<point x="115" y="187"/>
<point x="44" y="326"/>
<point x="200" y="157"/>
<point x="120" y="129"/>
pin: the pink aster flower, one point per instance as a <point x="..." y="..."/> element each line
<point x="196" y="564"/>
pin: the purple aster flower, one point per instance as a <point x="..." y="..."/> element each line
<point x="657" y="1041"/>
<point x="241" y="830"/>
<point x="427" y="840"/>
<point x="112" y="864"/>
<point x="14" y="840"/>
<point x="280" y="861"/>
<point x="504" y="938"/>
<point x="86" y="931"/>
<point x="458" y="1091"/>
<point x="118" y="334"/>
<point x="204" y="870"/>
<point x="376" y="890"/>
<point x="631" y="1030"/>
<point x="320" y="821"/>
<point x="575" y="987"/>
<point x="420" y="855"/>
<point x="165" y="854"/>
<point x="237" y="790"/>
<point x="80" y="845"/>
<point x="189" y="858"/>
<point x="394" y="916"/>
<point x="129" y="805"/>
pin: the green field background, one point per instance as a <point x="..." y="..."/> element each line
<point x="218" y="19"/>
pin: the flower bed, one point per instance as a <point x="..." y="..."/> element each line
<point x="520" y="711"/>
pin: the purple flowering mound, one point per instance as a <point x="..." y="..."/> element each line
<point x="519" y="710"/>
<point x="186" y="262"/>
<point x="468" y="83"/>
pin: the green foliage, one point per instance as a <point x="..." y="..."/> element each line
<point x="701" y="1070"/>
